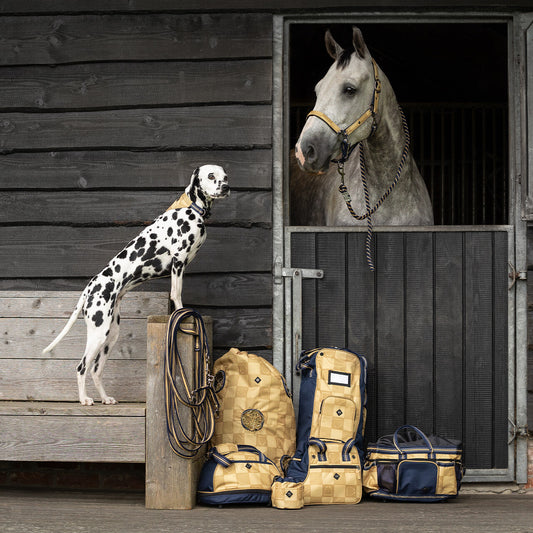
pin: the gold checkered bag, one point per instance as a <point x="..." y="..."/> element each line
<point x="236" y="474"/>
<point x="331" y="421"/>
<point x="255" y="405"/>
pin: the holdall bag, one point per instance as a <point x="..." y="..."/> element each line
<point x="410" y="466"/>
<point x="255" y="405"/>
<point x="331" y="420"/>
<point x="236" y="474"/>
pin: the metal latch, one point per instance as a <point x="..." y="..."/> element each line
<point x="281" y="272"/>
<point x="516" y="275"/>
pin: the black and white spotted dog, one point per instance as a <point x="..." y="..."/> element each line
<point x="164" y="248"/>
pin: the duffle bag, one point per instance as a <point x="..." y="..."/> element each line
<point x="236" y="474"/>
<point x="410" y="466"/>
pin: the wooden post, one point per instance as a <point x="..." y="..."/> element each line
<point x="170" y="480"/>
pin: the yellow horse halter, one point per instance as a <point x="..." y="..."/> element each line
<point x="371" y="112"/>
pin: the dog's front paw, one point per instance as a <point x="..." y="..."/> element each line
<point x="108" y="400"/>
<point x="86" y="401"/>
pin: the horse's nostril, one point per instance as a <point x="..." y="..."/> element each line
<point x="310" y="154"/>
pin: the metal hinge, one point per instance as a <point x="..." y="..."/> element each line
<point x="281" y="272"/>
<point x="516" y="275"/>
<point x="516" y="432"/>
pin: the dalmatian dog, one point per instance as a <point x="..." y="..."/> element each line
<point x="163" y="248"/>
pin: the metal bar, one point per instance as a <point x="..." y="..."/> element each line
<point x="404" y="229"/>
<point x="277" y="190"/>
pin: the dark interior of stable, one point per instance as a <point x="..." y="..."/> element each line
<point x="451" y="81"/>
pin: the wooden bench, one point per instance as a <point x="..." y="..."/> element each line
<point x="40" y="417"/>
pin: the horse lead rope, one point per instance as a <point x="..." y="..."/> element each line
<point x="346" y="150"/>
<point x="199" y="396"/>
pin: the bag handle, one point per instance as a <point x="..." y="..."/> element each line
<point x="417" y="431"/>
<point x="322" y="447"/>
<point x="347" y="448"/>
<point x="223" y="460"/>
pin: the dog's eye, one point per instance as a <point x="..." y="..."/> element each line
<point x="211" y="176"/>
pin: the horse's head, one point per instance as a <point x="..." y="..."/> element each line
<point x="345" y="101"/>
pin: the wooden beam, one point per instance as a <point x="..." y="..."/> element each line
<point x="170" y="480"/>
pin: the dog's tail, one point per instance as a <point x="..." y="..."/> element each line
<point x="68" y="325"/>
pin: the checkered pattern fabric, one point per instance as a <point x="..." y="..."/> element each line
<point x="287" y="495"/>
<point x="333" y="478"/>
<point x="255" y="406"/>
<point x="338" y="404"/>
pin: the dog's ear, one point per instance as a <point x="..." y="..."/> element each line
<point x="196" y="172"/>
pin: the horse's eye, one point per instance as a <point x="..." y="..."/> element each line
<point x="349" y="90"/>
<point x="211" y="176"/>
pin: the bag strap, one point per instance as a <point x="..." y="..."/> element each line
<point x="305" y="360"/>
<point x="420" y="433"/>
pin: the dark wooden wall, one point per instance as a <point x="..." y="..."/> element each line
<point x="103" y="118"/>
<point x="106" y="106"/>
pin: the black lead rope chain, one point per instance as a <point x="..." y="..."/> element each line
<point x="196" y="395"/>
<point x="346" y="150"/>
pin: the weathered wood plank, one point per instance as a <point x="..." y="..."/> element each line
<point x="170" y="480"/>
<point x="104" y="169"/>
<point x="60" y="304"/>
<point x="71" y="409"/>
<point x="115" y="439"/>
<point x="245" y="329"/>
<point x="67" y="39"/>
<point x="418" y="330"/>
<point x="109" y="6"/>
<point x="42" y="251"/>
<point x="123" y="207"/>
<point x="168" y="128"/>
<point x="25" y="338"/>
<point x="55" y="380"/>
<point x="106" y="85"/>
<point x="221" y="290"/>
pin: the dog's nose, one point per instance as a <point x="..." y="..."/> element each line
<point x="225" y="188"/>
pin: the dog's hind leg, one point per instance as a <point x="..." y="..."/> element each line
<point x="95" y="342"/>
<point x="101" y="358"/>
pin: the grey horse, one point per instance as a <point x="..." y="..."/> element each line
<point x="355" y="102"/>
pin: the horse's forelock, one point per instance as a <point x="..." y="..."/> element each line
<point x="344" y="58"/>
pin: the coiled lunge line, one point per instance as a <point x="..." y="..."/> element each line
<point x="197" y="394"/>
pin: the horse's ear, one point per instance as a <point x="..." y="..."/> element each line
<point x="359" y="43"/>
<point x="333" y="48"/>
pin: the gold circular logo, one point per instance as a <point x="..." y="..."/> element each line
<point x="252" y="419"/>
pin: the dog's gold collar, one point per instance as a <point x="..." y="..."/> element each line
<point x="182" y="201"/>
<point x="185" y="201"/>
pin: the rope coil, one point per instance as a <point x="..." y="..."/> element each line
<point x="197" y="394"/>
